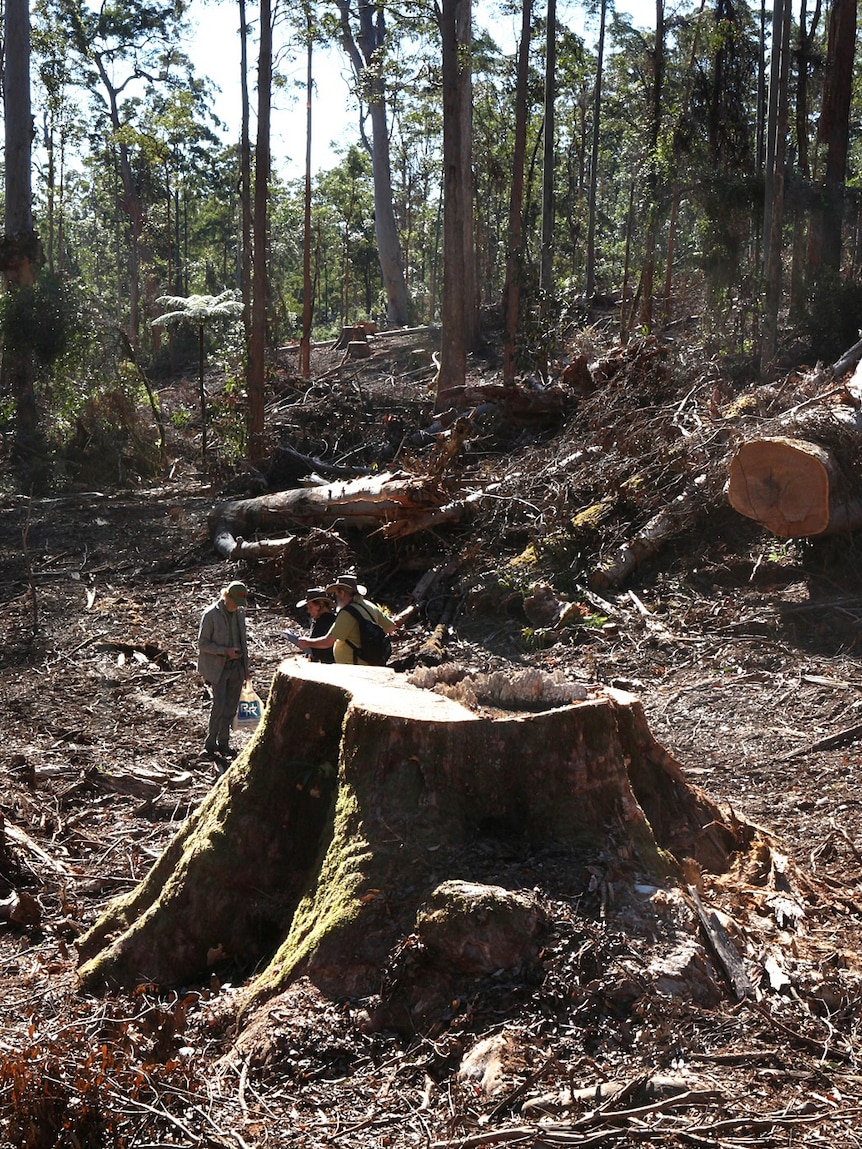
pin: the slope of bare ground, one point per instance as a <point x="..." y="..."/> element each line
<point x="743" y="648"/>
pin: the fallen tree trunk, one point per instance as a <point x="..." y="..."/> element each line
<point x="799" y="477"/>
<point x="361" y="503"/>
<point x="358" y="796"/>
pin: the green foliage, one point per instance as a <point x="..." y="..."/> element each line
<point x="229" y="406"/>
<point x="38" y="318"/>
<point x="832" y="319"/>
<point x="199" y="310"/>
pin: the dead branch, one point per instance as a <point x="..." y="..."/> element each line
<point x="722" y="947"/>
<point x="672" y="520"/>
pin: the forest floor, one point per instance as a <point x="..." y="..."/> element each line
<point x="743" y="648"/>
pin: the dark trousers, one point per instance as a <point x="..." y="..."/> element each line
<point x="226" y="694"/>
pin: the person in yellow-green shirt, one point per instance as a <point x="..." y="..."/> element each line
<point x="344" y="635"/>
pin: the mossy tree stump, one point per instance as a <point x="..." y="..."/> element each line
<point x="358" y="796"/>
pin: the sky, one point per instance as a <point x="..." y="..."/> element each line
<point x="215" y="49"/>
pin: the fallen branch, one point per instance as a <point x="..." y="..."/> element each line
<point x="671" y="520"/>
<point x="839" y="738"/>
<point x="21" y="838"/>
<point x="722" y="947"/>
<point x="572" y="1132"/>
<point x="448" y="513"/>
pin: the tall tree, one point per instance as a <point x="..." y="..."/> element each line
<point x="257" y="349"/>
<point x="126" y="43"/>
<point x="833" y="139"/>
<point x="653" y="162"/>
<point x="464" y="32"/>
<point x="515" y="246"/>
<point x="57" y="107"/>
<point x="245" y="254"/>
<point x="307" y="299"/>
<point x="546" y="277"/>
<point x="366" y="53"/>
<point x="775" y="152"/>
<point x="20" y="252"/>
<point x="594" y="156"/>
<point x="453" y="345"/>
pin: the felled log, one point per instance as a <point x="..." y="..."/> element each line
<point x="799" y="477"/>
<point x="357" y="796"/>
<point x="362" y="503"/>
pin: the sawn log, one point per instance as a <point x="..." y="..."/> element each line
<point x="800" y="476"/>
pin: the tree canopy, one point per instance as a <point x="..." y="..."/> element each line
<point x="671" y="147"/>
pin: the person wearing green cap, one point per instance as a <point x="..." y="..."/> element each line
<point x="223" y="663"/>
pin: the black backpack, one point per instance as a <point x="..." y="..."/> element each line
<point x="374" y="645"/>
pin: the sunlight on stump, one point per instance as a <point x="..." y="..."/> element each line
<point x="358" y="796"/>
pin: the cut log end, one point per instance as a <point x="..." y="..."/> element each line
<point x="783" y="484"/>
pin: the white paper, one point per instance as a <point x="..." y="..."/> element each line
<point x="292" y="636"/>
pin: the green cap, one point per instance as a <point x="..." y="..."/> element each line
<point x="238" y="591"/>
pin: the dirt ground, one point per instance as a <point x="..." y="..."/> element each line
<point x="744" y="649"/>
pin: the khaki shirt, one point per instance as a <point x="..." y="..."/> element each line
<point x="220" y="630"/>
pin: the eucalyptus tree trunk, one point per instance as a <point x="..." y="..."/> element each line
<point x="307" y="309"/>
<point x="257" y="350"/>
<point x="131" y="203"/>
<point x="771" y="126"/>
<point x="515" y="246"/>
<point x="676" y="193"/>
<point x="806" y="54"/>
<point x="20" y="252"/>
<point x="833" y="138"/>
<point x="453" y="343"/>
<point x="464" y="32"/>
<point x="776" y="147"/>
<point x="648" y="272"/>
<point x="245" y="178"/>
<point x="546" y="277"/>
<point x="365" y="60"/>
<point x="590" y="285"/>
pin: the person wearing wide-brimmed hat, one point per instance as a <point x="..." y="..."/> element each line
<point x="223" y="663"/>
<point x="319" y="606"/>
<point x="344" y="636"/>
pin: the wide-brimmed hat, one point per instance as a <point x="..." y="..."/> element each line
<point x="314" y="594"/>
<point x="237" y="591"/>
<point x="346" y="582"/>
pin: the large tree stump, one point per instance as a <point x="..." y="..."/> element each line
<point x="358" y="796"/>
